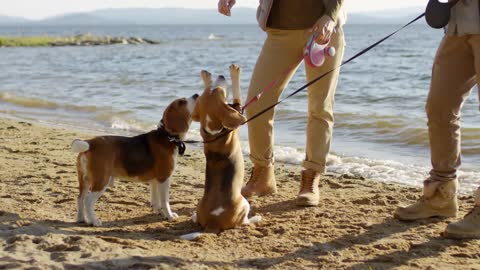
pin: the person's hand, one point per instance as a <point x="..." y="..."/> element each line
<point x="323" y="28"/>
<point x="224" y="6"/>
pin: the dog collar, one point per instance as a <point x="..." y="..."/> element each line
<point x="220" y="132"/>
<point x="175" y="139"/>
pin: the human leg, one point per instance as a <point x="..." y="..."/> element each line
<point x="320" y="121"/>
<point x="469" y="226"/>
<point x="278" y="61"/>
<point x="453" y="75"/>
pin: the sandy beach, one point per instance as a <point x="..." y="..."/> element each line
<point x="352" y="228"/>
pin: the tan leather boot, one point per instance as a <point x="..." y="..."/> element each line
<point x="469" y="226"/>
<point x="439" y="200"/>
<point x="262" y="182"/>
<point x="309" y="194"/>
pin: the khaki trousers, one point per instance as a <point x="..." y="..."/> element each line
<point x="283" y="49"/>
<point x="455" y="71"/>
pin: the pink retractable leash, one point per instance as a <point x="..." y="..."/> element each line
<point x="314" y="55"/>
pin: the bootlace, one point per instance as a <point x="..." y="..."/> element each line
<point x="307" y="181"/>
<point x="255" y="175"/>
<point x="475" y="208"/>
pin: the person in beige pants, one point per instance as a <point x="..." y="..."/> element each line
<point x="288" y="25"/>
<point x="456" y="70"/>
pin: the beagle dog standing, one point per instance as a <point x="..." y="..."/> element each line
<point x="222" y="205"/>
<point x="147" y="158"/>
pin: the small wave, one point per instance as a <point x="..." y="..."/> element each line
<point x="396" y="172"/>
<point x="29" y="102"/>
<point x="122" y="124"/>
<point x="214" y="37"/>
<point x="32" y="102"/>
<point x="372" y="169"/>
<point x="127" y="123"/>
<point x="397" y="129"/>
<point x="386" y="129"/>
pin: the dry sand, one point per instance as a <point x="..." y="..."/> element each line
<point x="351" y="229"/>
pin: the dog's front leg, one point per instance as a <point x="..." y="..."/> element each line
<point x="162" y="204"/>
<point x="154" y="196"/>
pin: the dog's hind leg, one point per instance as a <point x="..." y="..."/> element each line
<point x="97" y="190"/>
<point x="83" y="187"/>
<point x="247" y="220"/>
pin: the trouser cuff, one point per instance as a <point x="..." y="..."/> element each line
<point x="262" y="162"/>
<point x="314" y="166"/>
<point x="441" y="176"/>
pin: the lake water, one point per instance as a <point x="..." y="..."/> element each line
<point x="380" y="131"/>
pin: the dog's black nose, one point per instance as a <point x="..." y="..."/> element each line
<point x="195" y="96"/>
<point x="221" y="77"/>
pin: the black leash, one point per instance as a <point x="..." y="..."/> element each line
<point x="362" y="52"/>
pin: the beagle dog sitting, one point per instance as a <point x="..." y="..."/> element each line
<point x="222" y="205"/>
<point x="147" y="158"/>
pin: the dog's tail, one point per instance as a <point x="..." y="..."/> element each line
<point x="80" y="146"/>
<point x="254" y="219"/>
<point x="196" y="235"/>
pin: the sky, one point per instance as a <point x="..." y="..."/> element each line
<point x="39" y="9"/>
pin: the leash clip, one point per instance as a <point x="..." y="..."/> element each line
<point x="180" y="144"/>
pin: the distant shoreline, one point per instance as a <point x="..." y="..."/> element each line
<point x="78" y="40"/>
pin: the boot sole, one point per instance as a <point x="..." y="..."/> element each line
<point x="414" y="218"/>
<point x="306" y="202"/>
<point x="260" y="194"/>
<point x="461" y="235"/>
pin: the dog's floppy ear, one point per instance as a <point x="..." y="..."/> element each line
<point x="231" y="118"/>
<point x="175" y="121"/>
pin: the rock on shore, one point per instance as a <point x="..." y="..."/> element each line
<point x="78" y="40"/>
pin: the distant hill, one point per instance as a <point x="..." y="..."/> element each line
<point x="178" y="16"/>
<point x="398" y="12"/>
<point x="80" y="19"/>
<point x="7" y="20"/>
<point x="389" y="16"/>
<point x="151" y="16"/>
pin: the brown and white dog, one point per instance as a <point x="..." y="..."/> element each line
<point x="147" y="158"/>
<point x="222" y="205"/>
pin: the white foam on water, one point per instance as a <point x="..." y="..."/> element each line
<point x="126" y="125"/>
<point x="395" y="172"/>
<point x="214" y="37"/>
<point x="387" y="171"/>
<point x="284" y="154"/>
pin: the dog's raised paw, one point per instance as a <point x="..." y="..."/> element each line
<point x="207" y="78"/>
<point x="234" y="68"/>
